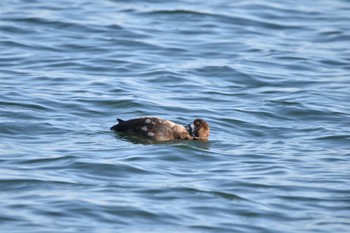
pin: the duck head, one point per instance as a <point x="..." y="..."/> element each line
<point x="198" y="129"/>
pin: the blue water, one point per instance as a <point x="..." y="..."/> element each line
<point x="272" y="78"/>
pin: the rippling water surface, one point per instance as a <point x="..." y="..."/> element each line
<point x="271" y="77"/>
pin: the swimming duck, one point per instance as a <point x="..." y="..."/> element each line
<point x="159" y="129"/>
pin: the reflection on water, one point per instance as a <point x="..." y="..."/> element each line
<point x="202" y="144"/>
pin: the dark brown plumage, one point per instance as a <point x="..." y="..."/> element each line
<point x="163" y="130"/>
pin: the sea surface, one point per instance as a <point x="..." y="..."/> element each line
<point x="272" y="78"/>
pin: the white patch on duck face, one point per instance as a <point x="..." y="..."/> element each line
<point x="192" y="127"/>
<point x="144" y="128"/>
<point x="147" y="121"/>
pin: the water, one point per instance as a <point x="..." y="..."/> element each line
<point x="271" y="78"/>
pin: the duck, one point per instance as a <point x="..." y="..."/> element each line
<point x="159" y="129"/>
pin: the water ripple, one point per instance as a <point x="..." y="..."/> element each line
<point x="271" y="78"/>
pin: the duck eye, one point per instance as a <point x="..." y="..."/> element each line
<point x="197" y="123"/>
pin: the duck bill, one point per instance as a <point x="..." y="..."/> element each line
<point x="190" y="129"/>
